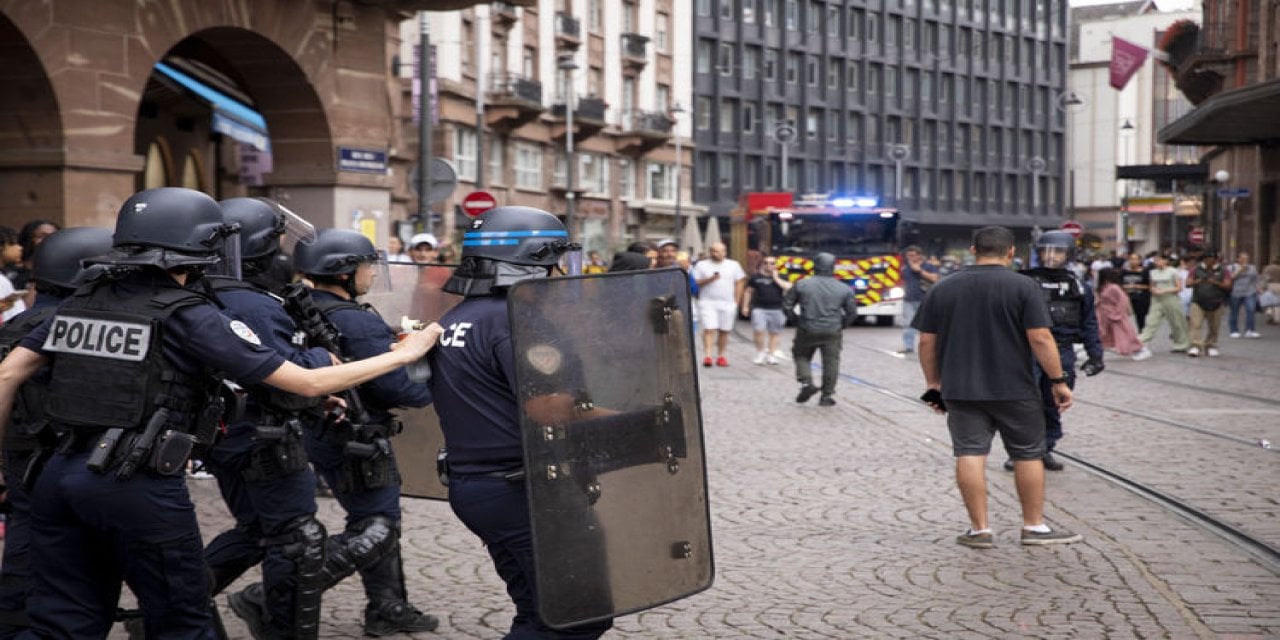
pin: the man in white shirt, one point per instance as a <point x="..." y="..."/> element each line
<point x="720" y="283"/>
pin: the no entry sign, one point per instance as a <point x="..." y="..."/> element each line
<point x="478" y="202"/>
<point x="1072" y="227"/>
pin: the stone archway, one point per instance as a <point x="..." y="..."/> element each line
<point x="31" y="138"/>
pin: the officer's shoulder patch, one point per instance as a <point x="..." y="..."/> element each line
<point x="544" y="358"/>
<point x="243" y="331"/>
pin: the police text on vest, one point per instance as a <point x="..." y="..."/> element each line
<point x="100" y="338"/>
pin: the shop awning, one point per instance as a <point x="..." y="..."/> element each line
<point x="230" y="117"/>
<point x="1240" y="116"/>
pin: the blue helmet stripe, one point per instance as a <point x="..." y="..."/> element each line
<point x="489" y="243"/>
<point x="539" y="233"/>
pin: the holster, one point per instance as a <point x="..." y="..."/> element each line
<point x="279" y="451"/>
<point x="368" y="465"/>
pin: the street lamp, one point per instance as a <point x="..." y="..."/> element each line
<point x="1222" y="176"/>
<point x="784" y="133"/>
<point x="676" y="112"/>
<point x="567" y="65"/>
<point x="1070" y="103"/>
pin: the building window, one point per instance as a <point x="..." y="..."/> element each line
<point x="811" y="123"/>
<point x="728" y="167"/>
<point x="750" y="60"/>
<point x="705" y="52"/>
<point x="704" y="168"/>
<point x="909" y="84"/>
<point x="727" y="124"/>
<point x="793" y="67"/>
<point x="890" y="81"/>
<point x="726" y="59"/>
<point x="770" y="10"/>
<point x="662" y="98"/>
<point x="770" y="173"/>
<point x="909" y="35"/>
<point x="702" y="112"/>
<point x="813" y="71"/>
<point x="660" y="182"/>
<point x="704" y="7"/>
<point x="835" y="21"/>
<point x="661" y="26"/>
<point x="749" y="11"/>
<point x="528" y="166"/>
<point x="593" y="174"/>
<point x="748" y="117"/>
<point x="793" y="15"/>
<point x="595" y="14"/>
<point x="464" y="153"/>
<point x="726" y="10"/>
<point x="854" y="71"/>
<point x="853" y="130"/>
<point x="855" y="24"/>
<point x="771" y="64"/>
<point x="751" y="172"/>
<point x="833" y="124"/>
<point x="891" y="32"/>
<point x="813" y="177"/>
<point x="626" y="179"/>
<point x="833" y="74"/>
<point x="497" y="160"/>
<point x="815" y="17"/>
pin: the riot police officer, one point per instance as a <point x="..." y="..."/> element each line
<point x="478" y="406"/>
<point x="353" y="453"/>
<point x="57" y="270"/>
<point x="1071" y="308"/>
<point x="260" y="462"/>
<point x="131" y="355"/>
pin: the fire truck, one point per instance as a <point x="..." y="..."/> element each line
<point x="863" y="236"/>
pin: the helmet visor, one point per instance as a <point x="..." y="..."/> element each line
<point x="573" y="262"/>
<point x="1054" y="257"/>
<point x="228" y="248"/>
<point x="296" y="230"/>
<point x="381" y="274"/>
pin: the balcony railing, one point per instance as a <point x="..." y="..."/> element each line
<point x="648" y="121"/>
<point x="503" y="8"/>
<point x="635" y="45"/>
<point x="589" y="108"/>
<point x="510" y="85"/>
<point x="567" y="25"/>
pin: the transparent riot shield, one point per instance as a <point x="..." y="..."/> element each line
<point x="612" y="432"/>
<point x="415" y="294"/>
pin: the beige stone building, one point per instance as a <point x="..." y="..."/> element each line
<point x="501" y="91"/>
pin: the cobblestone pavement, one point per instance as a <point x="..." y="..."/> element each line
<point x="839" y="522"/>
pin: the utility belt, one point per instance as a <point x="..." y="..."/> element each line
<point x="445" y="472"/>
<point x="33" y="459"/>
<point x="279" y="451"/>
<point x="125" y="451"/>
<point x="368" y="462"/>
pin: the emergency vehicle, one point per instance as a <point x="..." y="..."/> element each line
<point x="863" y="236"/>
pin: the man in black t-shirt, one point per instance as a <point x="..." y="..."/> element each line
<point x="979" y="329"/>
<point x="762" y="302"/>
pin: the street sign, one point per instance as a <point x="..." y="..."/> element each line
<point x="362" y="160"/>
<point x="1072" y="227"/>
<point x="478" y="202"/>
<point x="1195" y="236"/>
<point x="1233" y="192"/>
<point x="442" y="177"/>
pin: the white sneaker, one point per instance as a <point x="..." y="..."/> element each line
<point x="1213" y="352"/>
<point x="1194" y="352"/>
<point x="1235" y="334"/>
<point x="771" y="359"/>
<point x="1252" y="334"/>
<point x="759" y="359"/>
<point x="777" y="353"/>
<point x="1142" y="355"/>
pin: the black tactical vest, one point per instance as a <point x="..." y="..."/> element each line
<point x="1064" y="294"/>
<point x="27" y="417"/>
<point x="109" y="368"/>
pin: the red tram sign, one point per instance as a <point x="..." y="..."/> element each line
<point x="478" y="202"/>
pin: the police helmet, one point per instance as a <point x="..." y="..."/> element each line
<point x="824" y="264"/>
<point x="169" y="227"/>
<point x="1055" y="249"/>
<point x="506" y="245"/>
<point x="335" y="252"/>
<point x="261" y="225"/>
<point x="516" y="235"/>
<point x="58" y="260"/>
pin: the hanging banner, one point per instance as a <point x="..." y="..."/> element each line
<point x="1126" y="59"/>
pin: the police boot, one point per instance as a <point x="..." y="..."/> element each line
<point x="389" y="611"/>
<point x="1051" y="463"/>
<point x="249" y="604"/>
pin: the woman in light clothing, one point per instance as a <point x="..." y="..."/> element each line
<point x="1271" y="282"/>
<point x="1244" y="293"/>
<point x="1165" y="306"/>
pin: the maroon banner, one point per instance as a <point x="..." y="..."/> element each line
<point x="1126" y="59"/>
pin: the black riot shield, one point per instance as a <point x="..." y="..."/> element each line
<point x="612" y="433"/>
<point x="415" y="294"/>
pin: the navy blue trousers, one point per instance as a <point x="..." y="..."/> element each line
<point x="498" y="511"/>
<point x="1053" y="419"/>
<point x="90" y="532"/>
<point x="15" y="570"/>
<point x="262" y="508"/>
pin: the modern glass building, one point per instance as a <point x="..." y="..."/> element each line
<point x="953" y="109"/>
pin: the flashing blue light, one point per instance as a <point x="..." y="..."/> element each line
<point x="866" y="202"/>
<point x="843" y="202"/>
<point x="886" y="214"/>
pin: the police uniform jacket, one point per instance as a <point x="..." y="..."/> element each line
<point x="364" y="335"/>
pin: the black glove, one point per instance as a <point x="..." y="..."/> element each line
<point x="1093" y="366"/>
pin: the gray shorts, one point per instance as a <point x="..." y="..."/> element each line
<point x="771" y="320"/>
<point x="973" y="423"/>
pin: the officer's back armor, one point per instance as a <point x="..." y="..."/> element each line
<point x="1065" y="295"/>
<point x="110" y="370"/>
<point x="27" y="416"/>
